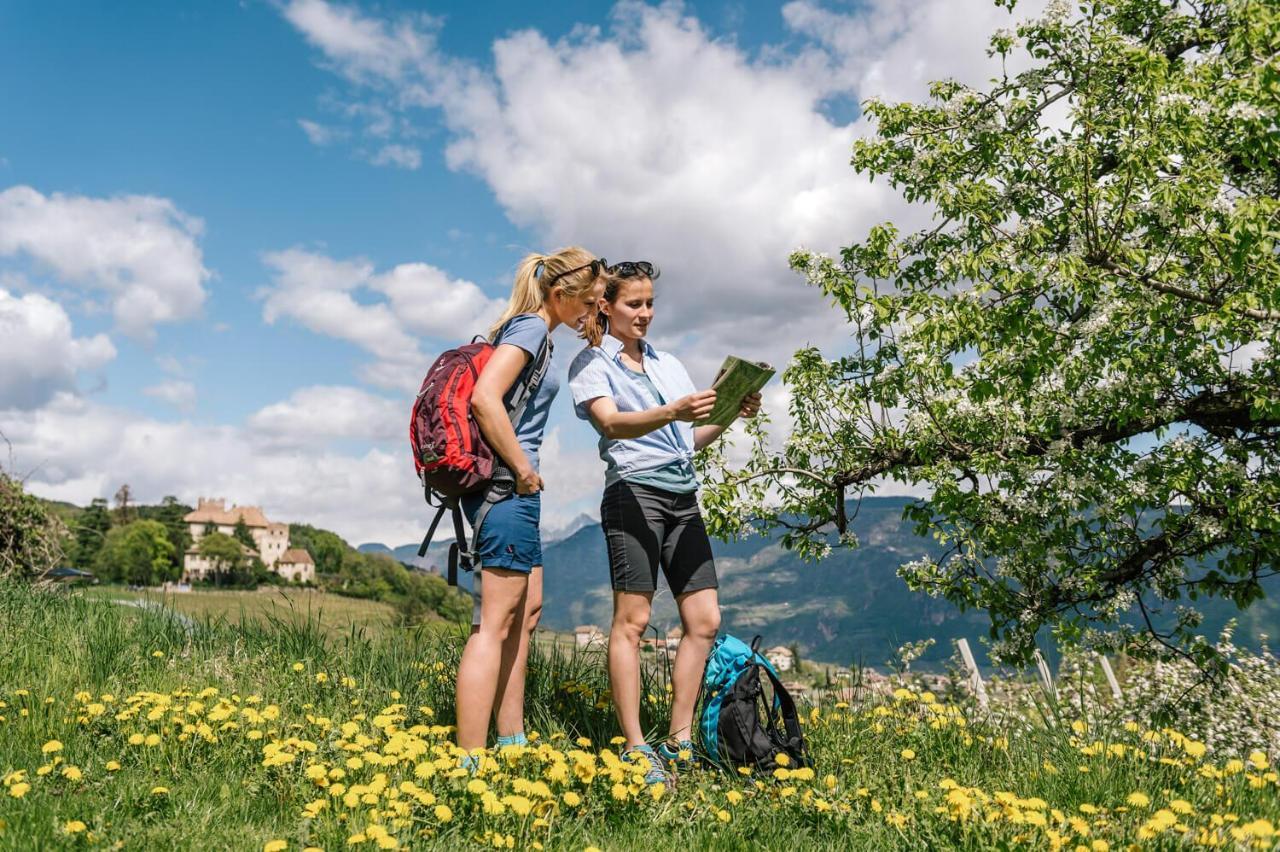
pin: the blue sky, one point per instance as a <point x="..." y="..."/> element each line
<point x="217" y="220"/>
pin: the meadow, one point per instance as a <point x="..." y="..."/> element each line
<point x="334" y="614"/>
<point x="123" y="728"/>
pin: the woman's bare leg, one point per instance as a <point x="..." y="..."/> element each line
<point x="510" y="694"/>
<point x="700" y="617"/>
<point x="502" y="607"/>
<point x="630" y="619"/>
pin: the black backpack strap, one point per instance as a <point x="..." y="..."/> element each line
<point x="790" y="718"/>
<point x="431" y="530"/>
<point x="534" y="374"/>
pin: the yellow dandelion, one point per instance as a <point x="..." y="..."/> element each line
<point x="113" y="766"/>
<point x="1138" y="800"/>
<point x="51" y="746"/>
<point x="159" y="655"/>
<point x="908" y="754"/>
<point x="297" y="667"/>
<point x="733" y="796"/>
<point x="723" y="816"/>
<point x="572" y="799"/>
<point x="19" y="789"/>
<point x="72" y="773"/>
<point x="159" y="791"/>
<point x="275" y="846"/>
<point x="443" y="813"/>
<point x="73" y="826"/>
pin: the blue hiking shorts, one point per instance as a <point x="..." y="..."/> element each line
<point x="509" y="536"/>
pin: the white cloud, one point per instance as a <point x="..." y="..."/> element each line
<point x="893" y="49"/>
<point x="319" y="134"/>
<point x="364" y="496"/>
<point x="41" y="354"/>
<point x="141" y="251"/>
<point x="171" y="365"/>
<point x="382" y="313"/>
<point x="572" y="472"/>
<point x="180" y="394"/>
<point x="314" y="415"/>
<point x="656" y="140"/>
<point x="363" y="48"/>
<point x="400" y="156"/>
<point x="317" y="291"/>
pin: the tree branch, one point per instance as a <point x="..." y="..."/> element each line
<point x="1207" y="409"/>
<point x="1145" y="280"/>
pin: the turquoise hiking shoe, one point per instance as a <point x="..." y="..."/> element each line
<point x="680" y="757"/>
<point x="655" y="773"/>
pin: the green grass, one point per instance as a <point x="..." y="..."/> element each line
<point x="375" y="706"/>
<point x="334" y="614"/>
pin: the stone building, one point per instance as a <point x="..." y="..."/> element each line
<point x="272" y="541"/>
<point x="781" y="658"/>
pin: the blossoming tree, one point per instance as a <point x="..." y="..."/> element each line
<point x="1077" y="359"/>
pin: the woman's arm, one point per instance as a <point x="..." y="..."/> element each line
<point x="615" y="424"/>
<point x="497" y="377"/>
<point x="704" y="435"/>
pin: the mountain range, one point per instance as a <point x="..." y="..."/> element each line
<point x="851" y="607"/>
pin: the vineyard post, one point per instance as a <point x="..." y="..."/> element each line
<point x="975" y="677"/>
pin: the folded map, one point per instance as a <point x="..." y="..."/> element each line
<point x="736" y="380"/>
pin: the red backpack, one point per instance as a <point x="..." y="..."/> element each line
<point x="450" y="455"/>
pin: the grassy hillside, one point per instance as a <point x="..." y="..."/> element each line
<point x="334" y="614"/>
<point x="122" y="729"/>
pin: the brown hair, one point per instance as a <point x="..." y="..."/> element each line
<point x="593" y="330"/>
<point x="530" y="291"/>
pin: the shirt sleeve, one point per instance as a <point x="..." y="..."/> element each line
<point x="528" y="331"/>
<point x="588" y="380"/>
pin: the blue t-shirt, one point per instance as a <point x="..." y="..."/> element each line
<point x="528" y="331"/>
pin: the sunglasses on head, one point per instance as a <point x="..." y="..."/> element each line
<point x="625" y="269"/>
<point x="634" y="269"/>
<point x="596" y="266"/>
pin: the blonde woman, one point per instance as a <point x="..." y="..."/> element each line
<point x="550" y="290"/>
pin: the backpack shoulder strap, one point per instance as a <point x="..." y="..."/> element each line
<point x="790" y="718"/>
<point x="533" y="375"/>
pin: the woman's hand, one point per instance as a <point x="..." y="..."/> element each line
<point x="750" y="405"/>
<point x="693" y="407"/>
<point x="528" y="481"/>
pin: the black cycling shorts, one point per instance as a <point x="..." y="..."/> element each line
<point x="645" y="527"/>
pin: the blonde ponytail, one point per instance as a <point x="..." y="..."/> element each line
<point x="570" y="269"/>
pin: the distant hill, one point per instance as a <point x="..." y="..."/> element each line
<point x="561" y="533"/>
<point x="850" y="607"/>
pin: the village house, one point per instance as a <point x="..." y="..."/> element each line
<point x="781" y="658"/>
<point x="588" y="635"/>
<point x="271" y="540"/>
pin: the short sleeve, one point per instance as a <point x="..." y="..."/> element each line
<point x="588" y="380"/>
<point x="528" y="331"/>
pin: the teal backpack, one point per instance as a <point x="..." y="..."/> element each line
<point x="739" y="725"/>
